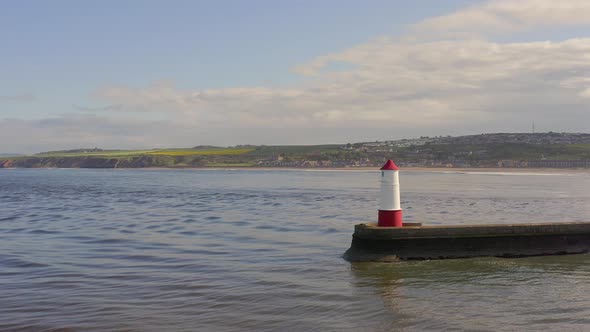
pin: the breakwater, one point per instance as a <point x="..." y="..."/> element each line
<point x="373" y="243"/>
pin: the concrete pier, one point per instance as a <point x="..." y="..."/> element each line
<point x="417" y="242"/>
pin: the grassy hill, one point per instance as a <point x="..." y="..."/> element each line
<point x="489" y="150"/>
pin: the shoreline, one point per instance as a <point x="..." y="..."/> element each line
<point x="349" y="169"/>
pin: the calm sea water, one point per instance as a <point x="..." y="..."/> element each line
<point x="223" y="250"/>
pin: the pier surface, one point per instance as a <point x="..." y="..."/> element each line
<point x="412" y="242"/>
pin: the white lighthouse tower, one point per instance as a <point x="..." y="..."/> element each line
<point x="390" y="211"/>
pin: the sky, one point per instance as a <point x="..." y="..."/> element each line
<point x="154" y="74"/>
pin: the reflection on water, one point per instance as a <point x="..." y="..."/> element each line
<point x="186" y="250"/>
<point x="489" y="294"/>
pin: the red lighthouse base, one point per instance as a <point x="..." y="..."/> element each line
<point x="390" y="218"/>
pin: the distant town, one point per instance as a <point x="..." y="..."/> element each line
<point x="504" y="150"/>
<point x="499" y="150"/>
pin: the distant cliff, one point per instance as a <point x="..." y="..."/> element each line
<point x="100" y="162"/>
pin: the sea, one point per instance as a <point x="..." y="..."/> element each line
<point x="261" y="250"/>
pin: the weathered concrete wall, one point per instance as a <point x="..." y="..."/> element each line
<point x="371" y="243"/>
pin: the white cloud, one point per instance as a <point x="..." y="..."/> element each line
<point x="506" y="16"/>
<point x="393" y="84"/>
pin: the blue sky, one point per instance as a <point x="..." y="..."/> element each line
<point x="292" y="72"/>
<point x="48" y="45"/>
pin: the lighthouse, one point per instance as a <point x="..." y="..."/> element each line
<point x="392" y="240"/>
<point x="390" y="211"/>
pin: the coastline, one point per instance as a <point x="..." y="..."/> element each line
<point x="376" y="168"/>
<point x="483" y="170"/>
<point x="497" y="170"/>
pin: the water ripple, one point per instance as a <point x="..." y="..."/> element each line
<point x="154" y="250"/>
